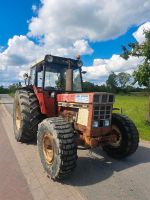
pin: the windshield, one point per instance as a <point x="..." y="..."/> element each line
<point x="55" y="78"/>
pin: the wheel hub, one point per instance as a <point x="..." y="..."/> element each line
<point x="48" y="148"/>
<point x="117" y="132"/>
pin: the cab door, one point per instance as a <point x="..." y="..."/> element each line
<point x="46" y="98"/>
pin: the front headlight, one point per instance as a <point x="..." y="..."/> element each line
<point x="95" y="124"/>
<point x="106" y="122"/>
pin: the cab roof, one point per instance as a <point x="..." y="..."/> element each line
<point x="50" y="59"/>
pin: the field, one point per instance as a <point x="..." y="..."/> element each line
<point x="136" y="107"/>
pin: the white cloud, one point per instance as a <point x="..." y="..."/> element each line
<point x="17" y="57"/>
<point x="101" y="68"/>
<point x="20" y="51"/>
<point x="66" y="27"/>
<point x="95" y="19"/>
<point x="139" y="34"/>
<point x="60" y="25"/>
<point x="78" y="47"/>
<point x="82" y="46"/>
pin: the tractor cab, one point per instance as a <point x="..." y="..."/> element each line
<point x="57" y="74"/>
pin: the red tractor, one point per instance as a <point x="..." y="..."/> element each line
<point x="54" y="109"/>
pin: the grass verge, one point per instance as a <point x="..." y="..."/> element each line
<point x="136" y="108"/>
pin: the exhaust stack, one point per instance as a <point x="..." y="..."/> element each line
<point x="69" y="80"/>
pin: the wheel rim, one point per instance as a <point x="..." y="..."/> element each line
<point x="116" y="131"/>
<point x="18" y="117"/>
<point x="48" y="148"/>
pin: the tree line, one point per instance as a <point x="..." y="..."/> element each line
<point x="116" y="83"/>
<point x="11" y="89"/>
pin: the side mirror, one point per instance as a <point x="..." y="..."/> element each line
<point x="25" y="76"/>
<point x="84" y="72"/>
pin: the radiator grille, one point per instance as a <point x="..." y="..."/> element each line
<point x="104" y="98"/>
<point x="101" y="113"/>
<point x="103" y="103"/>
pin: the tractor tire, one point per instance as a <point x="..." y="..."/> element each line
<point x="129" y="137"/>
<point x="57" y="148"/>
<point x="26" y="116"/>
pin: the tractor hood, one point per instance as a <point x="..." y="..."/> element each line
<point x="93" y="111"/>
<point x="87" y="98"/>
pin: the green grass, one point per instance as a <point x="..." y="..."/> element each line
<point x="136" y="108"/>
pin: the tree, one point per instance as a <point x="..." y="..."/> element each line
<point x="91" y="87"/>
<point x="142" y="74"/>
<point x="3" y="90"/>
<point x="12" y="88"/>
<point x="112" y="82"/>
<point x="123" y="79"/>
<point x="60" y="82"/>
<point x="88" y="87"/>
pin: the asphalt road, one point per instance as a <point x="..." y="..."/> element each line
<point x="97" y="177"/>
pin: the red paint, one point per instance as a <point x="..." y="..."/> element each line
<point x="46" y="102"/>
<point x="48" y="107"/>
<point x="70" y="98"/>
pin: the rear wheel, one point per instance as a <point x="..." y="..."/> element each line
<point x="128" y="137"/>
<point x="26" y="115"/>
<point x="57" y="149"/>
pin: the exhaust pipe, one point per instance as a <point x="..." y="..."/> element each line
<point x="69" y="80"/>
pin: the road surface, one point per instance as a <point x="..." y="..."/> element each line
<point x="97" y="177"/>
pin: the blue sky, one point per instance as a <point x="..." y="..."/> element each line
<point x="95" y="29"/>
<point x="16" y="23"/>
<point x="14" y="16"/>
<point x="107" y="48"/>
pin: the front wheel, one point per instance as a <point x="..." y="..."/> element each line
<point x="57" y="149"/>
<point x="128" y="137"/>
